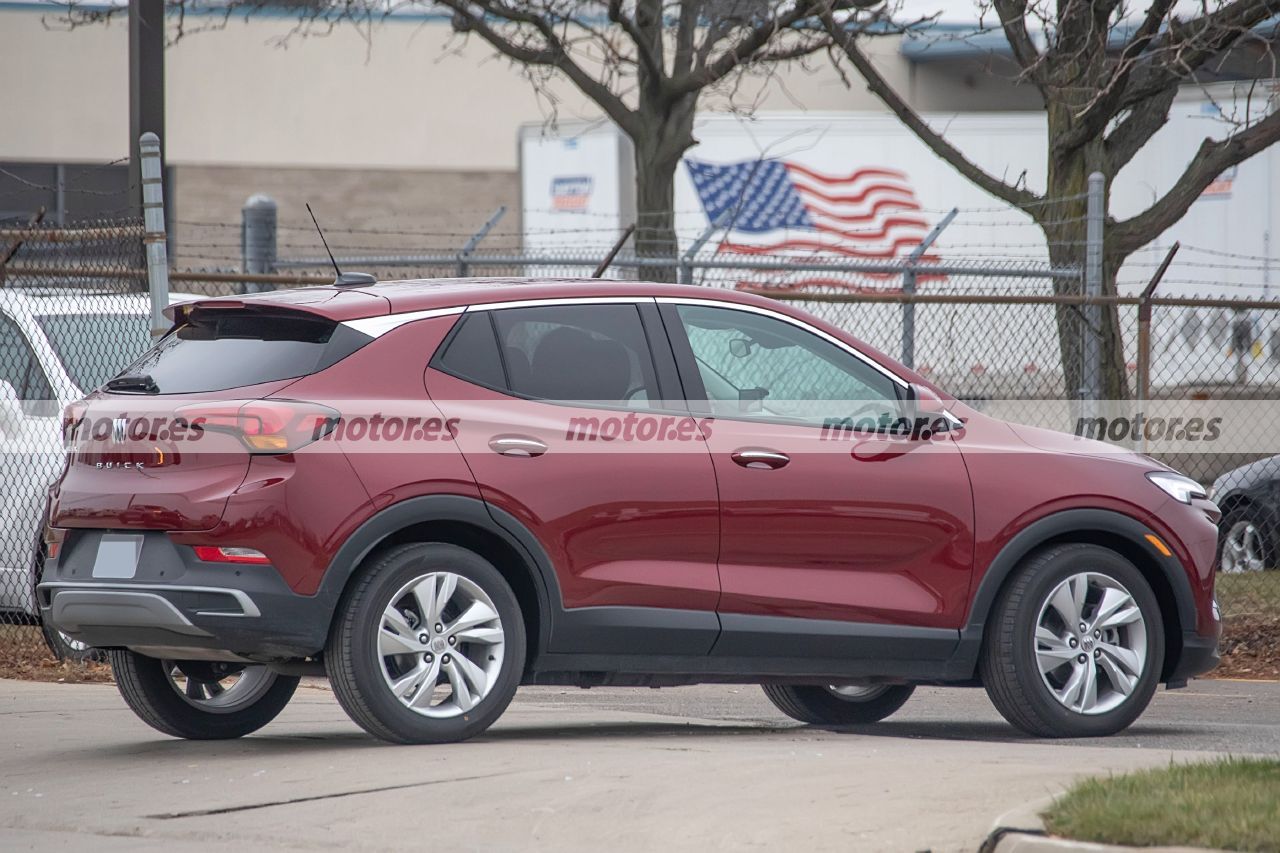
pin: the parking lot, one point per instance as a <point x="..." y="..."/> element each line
<point x="711" y="767"/>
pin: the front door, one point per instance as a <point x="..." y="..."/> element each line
<point x="834" y="530"/>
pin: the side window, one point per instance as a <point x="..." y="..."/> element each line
<point x="570" y="353"/>
<point x="754" y="366"/>
<point x="472" y="352"/>
<point x="18" y="367"/>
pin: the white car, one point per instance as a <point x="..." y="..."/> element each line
<point x="56" y="345"/>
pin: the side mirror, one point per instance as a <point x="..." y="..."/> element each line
<point x="920" y="404"/>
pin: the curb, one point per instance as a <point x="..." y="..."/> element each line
<point x="1021" y="830"/>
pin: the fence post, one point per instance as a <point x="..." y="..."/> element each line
<point x="258" y="240"/>
<point x="1090" y="344"/>
<point x="684" y="270"/>
<point x="464" y="266"/>
<point x="909" y="280"/>
<point x="154" y="238"/>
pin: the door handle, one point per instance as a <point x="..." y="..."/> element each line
<point x="517" y="445"/>
<point x="755" y="458"/>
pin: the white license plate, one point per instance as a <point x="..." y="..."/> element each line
<point x="117" y="556"/>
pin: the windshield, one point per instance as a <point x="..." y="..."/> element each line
<point x="95" y="347"/>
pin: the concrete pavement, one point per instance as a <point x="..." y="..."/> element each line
<point x="712" y="767"/>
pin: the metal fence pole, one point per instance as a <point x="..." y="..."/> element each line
<point x="464" y="267"/>
<point x="154" y="238"/>
<point x="258" y="240"/>
<point x="1090" y="344"/>
<point x="684" y="271"/>
<point x="909" y="281"/>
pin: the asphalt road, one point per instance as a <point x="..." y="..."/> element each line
<point x="712" y="767"/>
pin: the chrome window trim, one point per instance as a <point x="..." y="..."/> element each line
<point x="776" y="315"/>
<point x="376" y="327"/>
<point x="561" y="300"/>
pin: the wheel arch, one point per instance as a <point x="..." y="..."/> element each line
<point x="1107" y="529"/>
<point x="469" y="523"/>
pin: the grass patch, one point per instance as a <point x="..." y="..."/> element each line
<point x="1249" y="593"/>
<point x="24" y="655"/>
<point x="1229" y="804"/>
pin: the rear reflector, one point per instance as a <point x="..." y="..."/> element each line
<point x="229" y="554"/>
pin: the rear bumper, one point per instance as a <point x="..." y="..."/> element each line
<point x="176" y="602"/>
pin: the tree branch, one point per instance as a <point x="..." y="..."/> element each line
<point x="1127" y="138"/>
<point x="720" y="67"/>
<point x="1013" y="17"/>
<point x="648" y="45"/>
<point x="552" y="54"/>
<point x="1210" y="161"/>
<point x="891" y="99"/>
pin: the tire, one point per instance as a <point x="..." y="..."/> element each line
<point x="824" y="706"/>
<point x="63" y="647"/>
<point x="1247" y="540"/>
<point x="67" y="649"/>
<point x="390" y="658"/>
<point x="1124" y="659"/>
<point x="209" y="708"/>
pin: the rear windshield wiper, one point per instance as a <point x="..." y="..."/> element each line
<point x="138" y="384"/>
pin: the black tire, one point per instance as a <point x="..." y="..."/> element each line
<point x="1008" y="664"/>
<point x="66" y="649"/>
<point x="63" y="647"/>
<point x="146" y="686"/>
<point x="355" y="666"/>
<point x="819" y="706"/>
<point x="1262" y="521"/>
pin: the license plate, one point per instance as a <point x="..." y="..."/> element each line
<point x="117" y="556"/>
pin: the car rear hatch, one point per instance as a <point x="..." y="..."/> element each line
<point x="164" y="445"/>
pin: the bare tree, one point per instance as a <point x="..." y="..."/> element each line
<point x="1108" y="79"/>
<point x="646" y="64"/>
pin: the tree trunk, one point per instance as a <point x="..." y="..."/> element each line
<point x="1065" y="225"/>
<point x="667" y="132"/>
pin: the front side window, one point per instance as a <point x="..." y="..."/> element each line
<point x="758" y="367"/>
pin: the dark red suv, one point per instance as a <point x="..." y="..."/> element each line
<point x="435" y="491"/>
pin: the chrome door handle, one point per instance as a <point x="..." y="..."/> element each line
<point x="515" y="445"/>
<point x="760" y="458"/>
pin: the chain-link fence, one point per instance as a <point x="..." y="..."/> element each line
<point x="987" y="329"/>
<point x="74" y="310"/>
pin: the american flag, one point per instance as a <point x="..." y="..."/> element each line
<point x="779" y="207"/>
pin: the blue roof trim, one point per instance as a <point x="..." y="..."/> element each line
<point x="242" y="12"/>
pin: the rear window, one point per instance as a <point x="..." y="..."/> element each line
<point x="218" y="349"/>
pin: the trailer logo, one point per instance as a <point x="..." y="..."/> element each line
<point x="571" y="194"/>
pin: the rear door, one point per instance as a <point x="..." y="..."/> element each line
<point x="160" y="447"/>
<point x="563" y="418"/>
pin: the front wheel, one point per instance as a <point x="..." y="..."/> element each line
<point x="200" y="700"/>
<point x="836" y="705"/>
<point x="428" y="645"/>
<point x="1074" y="645"/>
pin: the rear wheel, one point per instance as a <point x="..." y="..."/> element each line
<point x="838" y="705"/>
<point x="1074" y="645"/>
<point x="428" y="645"/>
<point x="200" y="700"/>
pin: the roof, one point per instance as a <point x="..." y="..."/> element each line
<point x="398" y="297"/>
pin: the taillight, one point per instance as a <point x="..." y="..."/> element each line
<point x="72" y="418"/>
<point x="265" y="426"/>
<point x="230" y="554"/>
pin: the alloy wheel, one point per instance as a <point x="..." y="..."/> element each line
<point x="1091" y="643"/>
<point x="1242" y="549"/>
<point x="440" y="644"/>
<point x="858" y="693"/>
<point x="219" y="688"/>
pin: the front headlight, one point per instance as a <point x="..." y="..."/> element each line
<point x="1176" y="486"/>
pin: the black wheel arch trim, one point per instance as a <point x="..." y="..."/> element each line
<point x="445" y="508"/>
<point x="1053" y="527"/>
